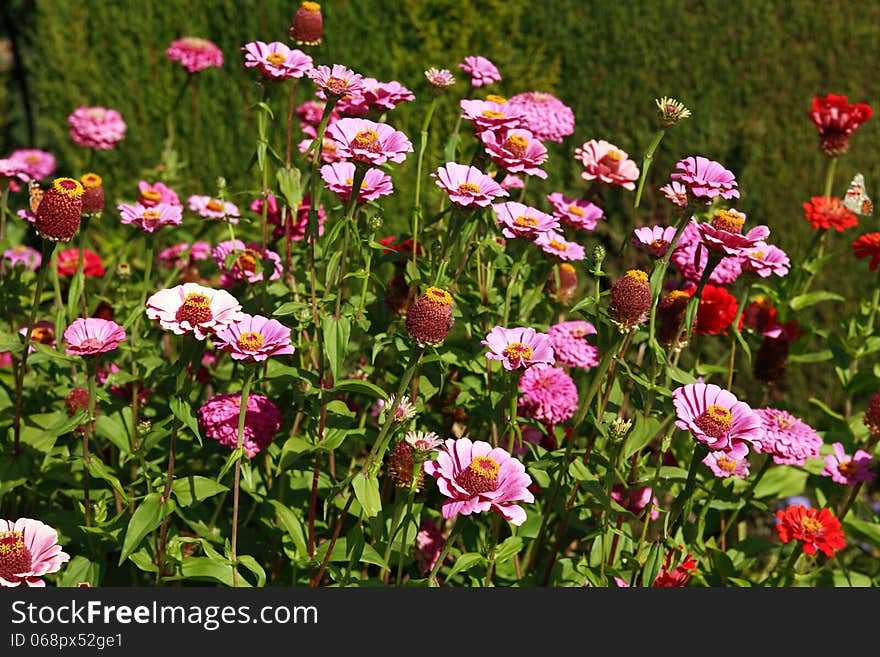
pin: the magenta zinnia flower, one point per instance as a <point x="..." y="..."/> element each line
<point x="636" y="499"/>
<point x="690" y="258"/>
<point x="723" y="234"/>
<point x="519" y="220"/>
<point x="183" y="254"/>
<point x="478" y="478"/>
<point x="28" y="550"/>
<point x="96" y="127"/>
<point x="385" y="96"/>
<point x="705" y="179"/>
<point x="429" y="544"/>
<point x="157" y="193"/>
<point x="570" y="346"/>
<point x="339" y="179"/>
<point x="214" y="208"/>
<point x="765" y="259"/>
<point x="195" y="53"/>
<point x="549" y="394"/>
<point x="729" y="463"/>
<point x="848" y="470"/>
<point x="654" y="239"/>
<point x="481" y="70"/>
<point x="218" y="418"/>
<point x="276" y="60"/>
<point x="545" y="115"/>
<point x="515" y="150"/>
<point x="467" y="186"/>
<point x="715" y="416"/>
<point x="254" y="338"/>
<point x="192" y="308"/>
<point x="366" y="141"/>
<point x="576" y="213"/>
<point x="248" y="262"/>
<point x="790" y="440"/>
<point x="555" y="244"/>
<point x="22" y="255"/>
<point x="36" y="163"/>
<point x="336" y="81"/>
<point x="152" y="218"/>
<point x="490" y="115"/>
<point x="92" y="335"/>
<point x="518" y="347"/>
<point x="605" y="162"/>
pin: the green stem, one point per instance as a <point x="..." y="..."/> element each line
<point x="694" y="302"/>
<point x="749" y="493"/>
<point x="81" y="263"/>
<point x="513" y="274"/>
<point x="4" y="202"/>
<point x="646" y="163"/>
<point x="829" y="176"/>
<point x="417" y="206"/>
<point x="339" y="274"/>
<point x="659" y="270"/>
<point x="513" y="425"/>
<point x="609" y="485"/>
<point x="788" y="569"/>
<point x="490" y="570"/>
<point x="90" y="427"/>
<point x="682" y="505"/>
<point x="245" y="392"/>
<point x="392" y="530"/>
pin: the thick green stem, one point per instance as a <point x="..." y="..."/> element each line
<point x="788" y="569"/>
<point x="646" y="163"/>
<point x="659" y="270"/>
<point x="829" y="176"/>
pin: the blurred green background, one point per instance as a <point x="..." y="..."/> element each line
<point x="747" y="70"/>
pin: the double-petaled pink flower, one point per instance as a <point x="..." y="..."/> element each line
<point x="544" y="114"/>
<point x="96" y="127"/>
<point x="518" y="347"/>
<point x="218" y="418"/>
<point x="247" y="264"/>
<point x="519" y="220"/>
<point x="848" y="470"/>
<point x="729" y="463"/>
<point x="764" y="260"/>
<point x="576" y="213"/>
<point x="36" y="163"/>
<point x="214" y="208"/>
<point x="21" y="255"/>
<point x="714" y="416"/>
<point x="490" y="115"/>
<point x="195" y="53"/>
<point x="723" y="234"/>
<point x="481" y="70"/>
<point x="276" y="60"/>
<point x="705" y="179"/>
<point x="150" y="219"/>
<point x="336" y="81"/>
<point x="549" y="394"/>
<point x="604" y="162"/>
<point x="790" y="440"/>
<point x="385" y="96"/>
<point x="369" y="142"/>
<point x="570" y="345"/>
<point x="193" y="308"/>
<point x="254" y="338"/>
<point x="467" y="186"/>
<point x="92" y="335"/>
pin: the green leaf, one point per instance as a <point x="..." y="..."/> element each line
<point x="465" y="562"/>
<point x="251" y="564"/>
<point x="230" y="461"/>
<point x="79" y="569"/>
<point x="826" y="410"/>
<point x="640" y="435"/>
<point x="99" y="470"/>
<point x="680" y="376"/>
<point x="508" y="549"/>
<point x="781" y="482"/>
<point x="580" y="472"/>
<point x="866" y="531"/>
<point x="191" y="489"/>
<point x="292" y="525"/>
<point x="290" y="184"/>
<point x="74" y="296"/>
<point x="360" y="386"/>
<point x="290" y="308"/>
<point x="337" y="331"/>
<point x="207" y="568"/>
<point x="49" y="427"/>
<point x="812" y="298"/>
<point x="145" y="519"/>
<point x="652" y="564"/>
<point x="184" y="412"/>
<point x="814" y="357"/>
<point x="366" y="490"/>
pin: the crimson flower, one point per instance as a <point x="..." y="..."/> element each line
<point x="868" y="246"/>
<point x="818" y="530"/>
<point x="836" y="120"/>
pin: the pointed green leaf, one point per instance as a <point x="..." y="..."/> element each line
<point x="145" y="519"/>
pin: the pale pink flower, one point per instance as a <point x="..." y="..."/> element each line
<point x="549" y="394"/>
<point x="467" y="186"/>
<point x="276" y="60"/>
<point x="96" y="127"/>
<point x="366" y="141"/>
<point x="715" y="416"/>
<point x="848" y="470"/>
<point x="518" y="347"/>
<point x="13" y="169"/>
<point x="385" y="96"/>
<point x="490" y="115"/>
<point x="729" y="463"/>
<point x="92" y="335"/>
<point x="676" y="192"/>
<point x="28" y="550"/>
<point x="790" y="440"/>
<point x="570" y="345"/>
<point x="310" y="113"/>
<point x="36" y="163"/>
<point x="193" y="308"/>
<point x="690" y="258"/>
<point x="440" y="78"/>
<point x="336" y="81"/>
<point x="183" y="254"/>
<point x="21" y="255"/>
<point x="150" y="219"/>
<point x="254" y="338"/>
<point x="555" y="244"/>
<point x="481" y="70"/>
<point x="519" y="220"/>
<point x="195" y="53"/>
<point x="248" y="262"/>
<point x="606" y="163"/>
<point x="576" y="213"/>
<point x="218" y="418"/>
<point x="339" y="179"/>
<point x="705" y="179"/>
<point x="156" y="193"/>
<point x="512" y="182"/>
<point x="654" y="239"/>
<point x="478" y="478"/>
<point x="424" y="443"/>
<point x="764" y="260"/>
<point x="214" y="208"/>
<point x="545" y="115"/>
<point x="515" y="150"/>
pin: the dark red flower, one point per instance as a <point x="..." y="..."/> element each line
<point x="868" y="246"/>
<point x="828" y="212"/>
<point x="392" y="246"/>
<point x="59" y="213"/>
<point x="68" y="261"/>
<point x="836" y="120"/>
<point x="678" y="576"/>
<point x="307" y="27"/>
<point x="759" y="315"/>
<point x="819" y="530"/>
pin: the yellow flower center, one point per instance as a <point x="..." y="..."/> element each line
<point x="438" y="296"/>
<point x="812" y="525"/>
<point x="481" y="476"/>
<point x="276" y="58"/>
<point x="758" y="255"/>
<point x="848" y="469"/>
<point x="91" y="180"/>
<point x="469" y="188"/>
<point x="495" y="98"/>
<point x="33" y="158"/>
<point x="367" y="140"/>
<point x="150" y="217"/>
<point x="492" y="114"/>
<point x="559" y="246"/>
<point x="726" y="463"/>
<point x="336" y="85"/>
<point x="729" y="221"/>
<point x="215" y="206"/>
<point x="517" y="144"/>
<point x="151" y="195"/>
<point x="575" y="210"/>
<point x="517" y="350"/>
<point x="638" y="276"/>
<point x="68" y="187"/>
<point x="311" y="6"/>
<point x="250" y="340"/>
<point x="525" y="221"/>
<point x="613" y="155"/>
<point x="678" y="295"/>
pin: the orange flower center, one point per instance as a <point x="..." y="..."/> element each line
<point x="715" y="421"/>
<point x="367" y="140"/>
<point x="848" y="469"/>
<point x="526" y="221"/>
<point x="811" y="525"/>
<point x="729" y="221"/>
<point x="196" y="309"/>
<point x="151" y="195"/>
<point x="575" y="210"/>
<point x="658" y="244"/>
<point x="14" y="556"/>
<point x="517" y="144"/>
<point x="311" y="6"/>
<point x="276" y="58"/>
<point x="42" y="335"/>
<point x="613" y="155"/>
<point x="250" y="340"/>
<point x="495" y="98"/>
<point x="215" y="206"/>
<point x="33" y="158"/>
<point x="247" y="260"/>
<point x="726" y="463"/>
<point x="517" y="350"/>
<point x="758" y="255"/>
<point x="336" y="85"/>
<point x="559" y="246"/>
<point x="469" y="188"/>
<point x="481" y="476"/>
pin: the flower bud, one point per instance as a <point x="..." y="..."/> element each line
<point x="671" y="111"/>
<point x="402" y="467"/>
<point x="59" y="213"/>
<point x="430" y="317"/>
<point x="619" y="428"/>
<point x="374" y="222"/>
<point x="307" y="27"/>
<point x="568" y="282"/>
<point x="93" y="193"/>
<point x="670" y="315"/>
<point x="630" y="300"/>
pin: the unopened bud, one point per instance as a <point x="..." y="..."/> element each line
<point x="619" y="428"/>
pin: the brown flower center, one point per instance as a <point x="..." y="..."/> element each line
<point x="250" y="340"/>
<point x="481" y="476"/>
<point x="15" y="559"/>
<point x="196" y="309"/>
<point x="517" y="350"/>
<point x="715" y="421"/>
<point x="848" y="469"/>
<point x="658" y="244"/>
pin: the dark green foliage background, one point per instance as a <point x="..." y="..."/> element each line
<point x="747" y="70"/>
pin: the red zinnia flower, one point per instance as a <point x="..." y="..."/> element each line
<point x="819" y="530"/>
<point x="68" y="261"/>
<point x="675" y="577"/>
<point x="836" y="120"/>
<point x="868" y="245"/>
<point x="716" y="311"/>
<point x="828" y="212"/>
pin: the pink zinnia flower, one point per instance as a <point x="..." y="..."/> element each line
<point x="192" y="308"/>
<point x="336" y="81"/>
<point x="705" y="179"/>
<point x="490" y="115"/>
<point x="92" y="335"/>
<point x="429" y="544"/>
<point x="173" y="256"/>
<point x="512" y="182"/>
<point x="545" y="115"/>
<point x="13" y="169"/>
<point x="385" y="95"/>
<point x="519" y="220"/>
<point x="218" y="418"/>
<point x="329" y="150"/>
<point x="28" y="550"/>
<point x="22" y="255"/>
<point x="790" y="440"/>
<point x="248" y="262"/>
<point x="481" y="70"/>
<point x="690" y="258"/>
<point x="213" y="208"/>
<point x="723" y="234"/>
<point x="515" y="150"/>
<point x="636" y="499"/>
<point x="478" y="478"/>
<point x="310" y="113"/>
<point x="366" y="141"/>
<point x="294" y="227"/>
<point x="576" y="213"/>
<point x="555" y="244"/>
<point x="339" y="179"/>
<point x="729" y="463"/>
<point x="848" y="470"/>
<point x="765" y="259"/>
<point x="276" y="60"/>
<point x="195" y="53"/>
<point x="676" y="192"/>
<point x="152" y="218"/>
<point x="606" y="163"/>
<point x="35" y="163"/>
<point x="549" y="394"/>
<point x="254" y="338"/>
<point x="518" y="347"/>
<point x="467" y="186"/>
<point x="715" y="416"/>
<point x="96" y="127"/>
<point x="654" y="239"/>
<point x="156" y="193"/>
<point x="570" y="346"/>
<point x="423" y="443"/>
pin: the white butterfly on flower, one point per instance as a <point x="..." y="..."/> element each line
<point x="856" y="199"/>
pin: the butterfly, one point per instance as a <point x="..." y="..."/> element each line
<point x="856" y="199"/>
<point x="36" y="195"/>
